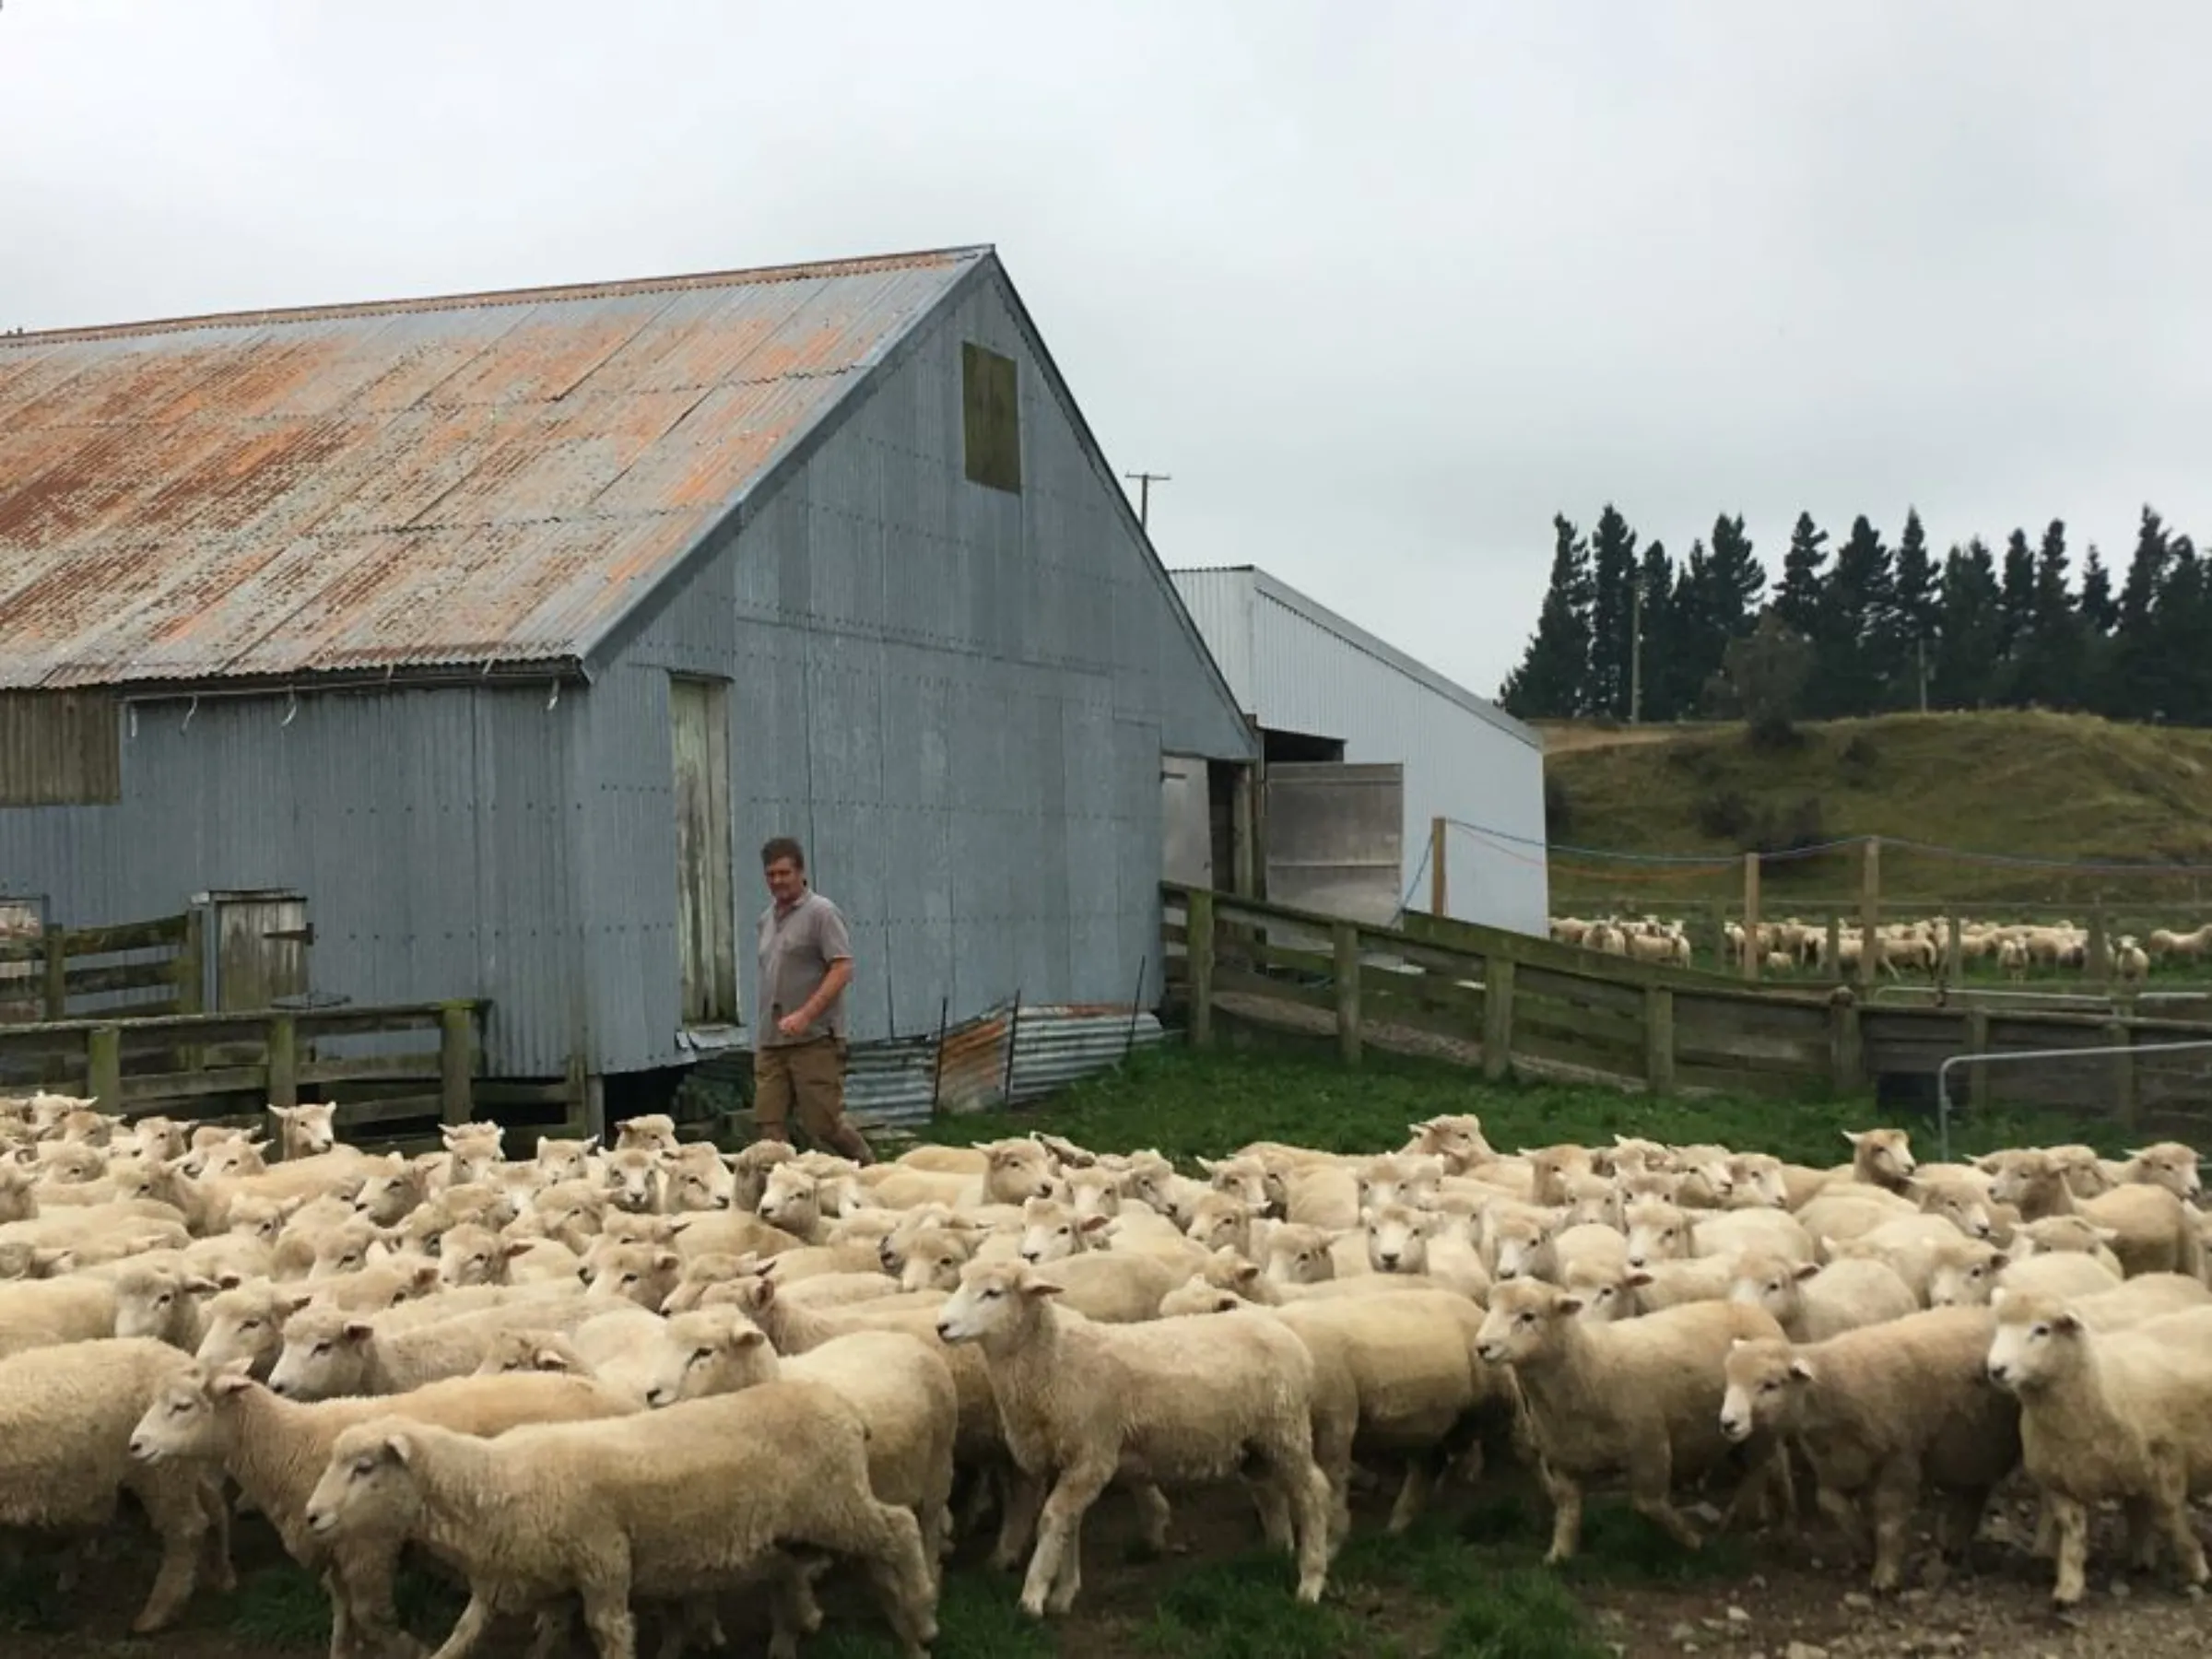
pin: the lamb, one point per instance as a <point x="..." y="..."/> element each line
<point x="2156" y="1232"/>
<point x="275" y="1449"/>
<point x="328" y="1351"/>
<point x="1642" y="1393"/>
<point x="1663" y="1232"/>
<point x="901" y="1385"/>
<point x="1013" y="1172"/>
<point x="633" y="1181"/>
<point x="162" y="1300"/>
<point x="303" y="1131"/>
<point x="549" y="1509"/>
<point x="1178" y="1400"/>
<point x="2107" y="1415"/>
<point x="34" y="1313"/>
<point x="726" y="1233"/>
<point x="1406" y="1240"/>
<point x="1908" y="1245"/>
<point x="1112" y="1287"/>
<point x="648" y="1132"/>
<point x="1813" y="1303"/>
<point x="66" y="1417"/>
<point x="2072" y="1235"/>
<point x="1970" y="1270"/>
<point x="1877" y="1412"/>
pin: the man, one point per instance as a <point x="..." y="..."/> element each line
<point x="799" y="1014"/>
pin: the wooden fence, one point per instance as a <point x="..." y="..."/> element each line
<point x="1513" y="1003"/>
<point x="132" y="971"/>
<point x="385" y="1065"/>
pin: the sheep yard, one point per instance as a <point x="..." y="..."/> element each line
<point x="1467" y="1578"/>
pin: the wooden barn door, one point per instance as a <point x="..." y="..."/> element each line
<point x="699" y="722"/>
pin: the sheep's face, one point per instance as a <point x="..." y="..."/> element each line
<point x="1052" y="1231"/>
<point x="1708" y="1181"/>
<point x="1882" y="1156"/>
<point x="473" y="1256"/>
<point x="366" y="1485"/>
<point x="1657" y="1233"/>
<point x="712" y="1352"/>
<point x="644" y="1273"/>
<point x="1592" y="1201"/>
<point x="1397" y="1240"/>
<point x="1458" y="1140"/>
<point x="1519" y="1325"/>
<point x="72" y="1161"/>
<point x="1955" y="1202"/>
<point x="565" y="1159"/>
<point x="148" y="1299"/>
<point x="1550" y="1167"/>
<point x="325" y="1355"/>
<point x="180" y="1421"/>
<point x="307" y="1130"/>
<point x="514" y="1351"/>
<point x="2018" y="1176"/>
<point x="1773" y="1284"/>
<point x="347" y="1249"/>
<point x="1758" y="1181"/>
<point x="1514" y="1241"/>
<point x="2037" y="1339"/>
<point x="993" y="1296"/>
<point x="633" y="1181"/>
<point x="790" y="1201"/>
<point x="890" y="1250"/>
<point x="1151" y="1180"/>
<point x="1300" y="1256"/>
<point x="694" y="1182"/>
<point x="1761" y="1378"/>
<point x="1602" y="1288"/>
<point x="1219" y="1222"/>
<point x="226" y="1159"/>
<point x="1195" y="1296"/>
<point x="389" y="1192"/>
<point x="935" y="1259"/>
<point x="246" y="1325"/>
<point x="1398" y="1179"/>
<point x="1965" y="1275"/>
<point x="1244" y="1179"/>
<point x="2172" y="1166"/>
<point x="260" y="1220"/>
<point x="1018" y="1171"/>
<point x="701" y="1272"/>
<point x="1094" y="1192"/>
<point x="653" y="1132"/>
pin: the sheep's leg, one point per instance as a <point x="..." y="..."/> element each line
<point x="1566" y="1494"/>
<point x="220" y="1572"/>
<point x="791" y="1610"/>
<point x="2171" y="1509"/>
<point x="1843" y="1514"/>
<point x="1957" y="1523"/>
<point x="2046" y="1529"/>
<point x="175" y="1510"/>
<point x="1274" y="1510"/>
<point x="2142" y="1522"/>
<point x="469" y="1629"/>
<point x="1412" y="1494"/>
<point x="607" y="1616"/>
<point x="1651" y="1493"/>
<point x="1153" y="1512"/>
<point x="1021" y="1500"/>
<point x="361" y="1574"/>
<point x="1894" y="1491"/>
<point x="2071" y="1522"/>
<point x="1077" y="1489"/>
<point x="1308" y="1491"/>
<point x="888" y="1540"/>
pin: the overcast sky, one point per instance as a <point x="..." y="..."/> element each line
<point x="1382" y="287"/>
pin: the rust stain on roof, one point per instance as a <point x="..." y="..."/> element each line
<point x="471" y="479"/>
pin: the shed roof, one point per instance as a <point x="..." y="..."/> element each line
<point x="475" y="481"/>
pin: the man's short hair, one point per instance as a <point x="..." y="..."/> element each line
<point x="781" y="847"/>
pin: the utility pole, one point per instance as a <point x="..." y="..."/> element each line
<point x="1145" y="481"/>
<point x="1636" y="652"/>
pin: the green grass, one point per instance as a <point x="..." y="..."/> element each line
<point x="2053" y="786"/>
<point x="1191" y="1105"/>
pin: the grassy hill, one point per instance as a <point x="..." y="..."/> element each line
<point x="2022" y="784"/>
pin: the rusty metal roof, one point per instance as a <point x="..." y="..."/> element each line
<point x="484" y="479"/>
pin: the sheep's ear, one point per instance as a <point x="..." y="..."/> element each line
<point x="1247" y="1272"/>
<point x="2066" y="1324"/>
<point x="2001" y="1260"/>
<point x="357" y="1330"/>
<point x="200" y="1284"/>
<point x="745" y="1336"/>
<point x="284" y="1114"/>
<point x="1801" y="1370"/>
<point x="1854" y="1136"/>
<point x="1805" y="1270"/>
<point x="230" y="1379"/>
<point x="668" y="1261"/>
<point x="1041" y="1286"/>
<point x="1636" y="1279"/>
<point x="1091" y="1224"/>
<point x="423" y="1275"/>
<point x="1567" y="1306"/>
<point x="2106" y="1235"/>
<point x="229" y="1281"/>
<point x="399" y="1446"/>
<point x="548" y="1359"/>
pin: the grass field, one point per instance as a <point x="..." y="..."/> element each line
<point x="1466" y="1583"/>
<point x="2026" y="785"/>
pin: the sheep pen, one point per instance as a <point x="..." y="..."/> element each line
<point x="1197" y="1576"/>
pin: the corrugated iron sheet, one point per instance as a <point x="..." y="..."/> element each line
<point x="487" y="478"/>
<point x="895" y="1082"/>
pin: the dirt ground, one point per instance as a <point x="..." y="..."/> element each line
<point x="1786" y="1604"/>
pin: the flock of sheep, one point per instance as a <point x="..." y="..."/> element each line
<point x="632" y="1379"/>
<point x="1793" y="946"/>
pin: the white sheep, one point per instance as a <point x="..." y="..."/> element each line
<point x="328" y="1351"/>
<point x="2109" y="1414"/>
<point x="1969" y="1270"/>
<point x="1180" y="1400"/>
<point x="1879" y="1411"/>
<point x="2156" y="1233"/>
<point x="1812" y="1303"/>
<point x="1643" y="1394"/>
<point x="588" y="1508"/>
<point x="303" y="1131"/>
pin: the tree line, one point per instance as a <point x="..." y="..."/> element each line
<point x="1876" y="628"/>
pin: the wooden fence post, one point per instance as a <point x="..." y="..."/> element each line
<point x="1496" y="1017"/>
<point x="103" y="1065"/>
<point x="1198" y="947"/>
<point x="1439" y="890"/>
<point x="2123" y="1068"/>
<point x="2099" y="963"/>
<point x="1659" y="1038"/>
<point x="1720" y="934"/>
<point x="1954" y="948"/>
<point x="1754" y="957"/>
<point x="284" y="1061"/>
<point x="57" y="974"/>
<point x="1847" y="1059"/>
<point x="192" y="967"/>
<point x="1870" y="908"/>
<point x="1831" y="961"/>
<point x="456" y="1061"/>
<point x="1977" y="1042"/>
<point x="1345" y="937"/>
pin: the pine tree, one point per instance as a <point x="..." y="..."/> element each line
<point x="2135" y="686"/>
<point x="2016" y="619"/>
<point x="2098" y="614"/>
<point x="1797" y="598"/>
<point x="1553" y="679"/>
<point x="1666" y="616"/>
<point x="1967" y="659"/>
<point x="2181" y="628"/>
<point x="1914" y="590"/>
<point x="1612" y="619"/>
<point x="2051" y="657"/>
<point x="1856" y="629"/>
<point x="1734" y="583"/>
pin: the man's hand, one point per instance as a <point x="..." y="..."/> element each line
<point x="793" y="1025"/>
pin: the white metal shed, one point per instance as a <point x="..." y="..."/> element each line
<point x="1346" y="721"/>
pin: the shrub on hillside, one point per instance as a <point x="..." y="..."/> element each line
<point x="1765" y="828"/>
<point x="1559" y="809"/>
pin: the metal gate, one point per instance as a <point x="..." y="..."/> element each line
<point x="261" y="940"/>
<point x="1335" y="838"/>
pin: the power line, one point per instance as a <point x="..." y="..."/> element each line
<point x="1145" y="481"/>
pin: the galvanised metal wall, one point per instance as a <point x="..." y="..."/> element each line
<point x="956" y="697"/>
<point x="1297" y="668"/>
<point x="427" y="828"/>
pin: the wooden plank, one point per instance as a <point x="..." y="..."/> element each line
<point x="1810" y="1065"/>
<point x="1227" y="978"/>
<point x="1598" y="1025"/>
<point x="1582" y="990"/>
<point x="1703" y="1018"/>
<point x="1425" y="990"/>
<point x="1736" y="1080"/>
<point x="126" y="976"/>
<point x="1538" y="1043"/>
<point x="1248" y="953"/>
<point x="512" y="1091"/>
<point x="57" y="975"/>
<point x="103" y="1065"/>
<point x="1346" y="943"/>
<point x="456" y="1061"/>
<point x="184" y="1085"/>
<point x="284" y="1063"/>
<point x="372" y="1068"/>
<point x="1659" y="1038"/>
<point x="397" y="1109"/>
<point x="126" y="936"/>
<point x="1498" y="1018"/>
<point x="1201" y="946"/>
<point x="1397" y="1011"/>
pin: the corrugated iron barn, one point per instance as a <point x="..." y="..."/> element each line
<point x="495" y="632"/>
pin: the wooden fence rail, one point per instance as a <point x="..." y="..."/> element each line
<point x="1514" y="1002"/>
<point x="201" y="1064"/>
<point x="71" y="972"/>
